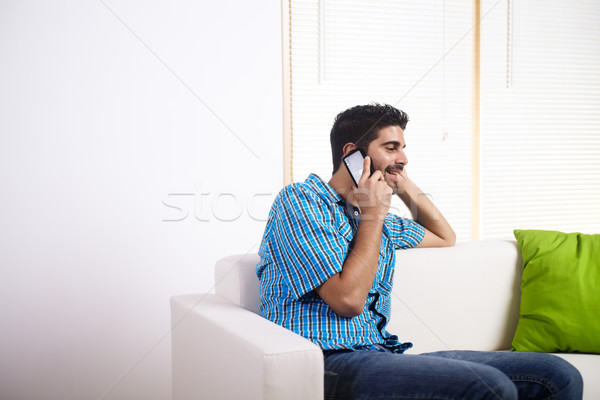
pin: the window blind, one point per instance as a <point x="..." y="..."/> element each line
<point x="416" y="56"/>
<point x="540" y="131"/>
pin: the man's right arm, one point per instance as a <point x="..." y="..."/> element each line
<point x="347" y="291"/>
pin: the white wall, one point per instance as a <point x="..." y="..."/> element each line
<point x="104" y="115"/>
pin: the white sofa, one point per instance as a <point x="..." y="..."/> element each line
<point x="464" y="297"/>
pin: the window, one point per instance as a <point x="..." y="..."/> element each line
<point x="540" y="97"/>
<point x="418" y="56"/>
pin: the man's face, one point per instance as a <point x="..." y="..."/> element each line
<point x="387" y="154"/>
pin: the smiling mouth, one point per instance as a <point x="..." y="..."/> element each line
<point x="393" y="175"/>
<point x="394" y="171"/>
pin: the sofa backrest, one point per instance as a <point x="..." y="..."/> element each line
<point x="461" y="297"/>
<point x="236" y="280"/>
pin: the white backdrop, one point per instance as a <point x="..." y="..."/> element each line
<point x="140" y="141"/>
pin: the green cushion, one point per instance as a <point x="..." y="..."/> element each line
<point x="560" y="292"/>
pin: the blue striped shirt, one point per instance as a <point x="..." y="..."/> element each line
<point x="306" y="241"/>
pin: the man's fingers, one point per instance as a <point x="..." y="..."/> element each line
<point x="377" y="175"/>
<point x="366" y="170"/>
<point x="366" y="167"/>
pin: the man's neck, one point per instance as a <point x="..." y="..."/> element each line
<point x="343" y="184"/>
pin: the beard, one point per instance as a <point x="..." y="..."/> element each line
<point x="392" y="170"/>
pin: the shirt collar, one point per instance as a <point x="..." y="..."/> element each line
<point x="323" y="189"/>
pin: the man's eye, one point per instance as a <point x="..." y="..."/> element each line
<point x="390" y="149"/>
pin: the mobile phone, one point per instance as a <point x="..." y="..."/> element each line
<point x="354" y="164"/>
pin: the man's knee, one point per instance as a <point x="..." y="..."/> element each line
<point x="490" y="383"/>
<point x="566" y="378"/>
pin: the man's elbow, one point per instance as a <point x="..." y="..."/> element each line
<point x="450" y="240"/>
<point x="349" y="312"/>
<point x="447" y="238"/>
<point x="349" y="307"/>
<point x="345" y="301"/>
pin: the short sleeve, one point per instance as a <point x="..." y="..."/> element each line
<point x="308" y="240"/>
<point x="404" y="233"/>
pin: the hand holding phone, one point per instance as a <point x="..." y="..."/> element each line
<point x="373" y="198"/>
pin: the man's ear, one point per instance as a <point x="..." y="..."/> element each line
<point x="348" y="148"/>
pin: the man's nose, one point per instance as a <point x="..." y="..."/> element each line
<point x="402" y="159"/>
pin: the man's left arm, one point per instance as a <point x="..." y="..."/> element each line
<point x="438" y="232"/>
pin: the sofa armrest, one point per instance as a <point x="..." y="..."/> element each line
<point x="223" y="351"/>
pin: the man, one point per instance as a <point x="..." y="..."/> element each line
<point x="326" y="271"/>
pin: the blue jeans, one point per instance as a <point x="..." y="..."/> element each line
<point x="368" y="374"/>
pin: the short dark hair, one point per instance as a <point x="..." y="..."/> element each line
<point x="360" y="125"/>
